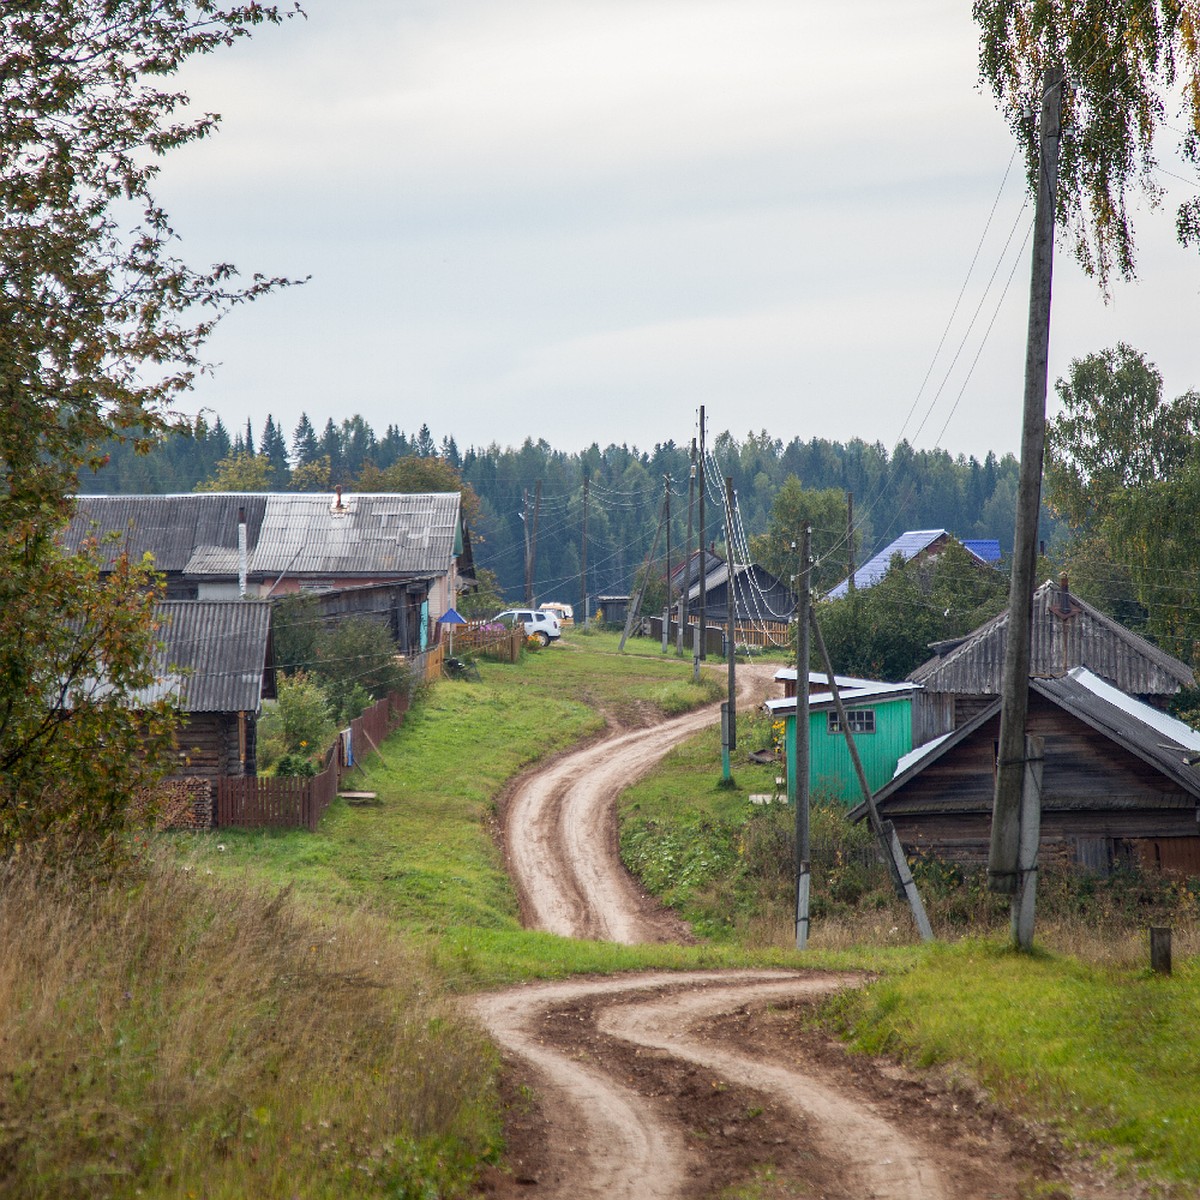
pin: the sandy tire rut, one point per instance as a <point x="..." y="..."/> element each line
<point x="664" y="1085"/>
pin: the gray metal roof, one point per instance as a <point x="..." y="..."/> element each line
<point x="1087" y="638"/>
<point x="213" y="655"/>
<point x="287" y="533"/>
<point x="171" y="528"/>
<point x="369" y="535"/>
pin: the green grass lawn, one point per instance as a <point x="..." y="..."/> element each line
<point x="1109" y="1056"/>
<point x="424" y="855"/>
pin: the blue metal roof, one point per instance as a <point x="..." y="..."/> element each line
<point x="986" y="548"/>
<point x="907" y="545"/>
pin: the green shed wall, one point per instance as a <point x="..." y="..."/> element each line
<point x="831" y="771"/>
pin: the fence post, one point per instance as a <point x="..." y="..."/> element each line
<point x="1160" y="949"/>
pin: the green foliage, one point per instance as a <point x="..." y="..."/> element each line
<point x="240" y="472"/>
<point x="884" y="631"/>
<point x="1124" y="470"/>
<point x="825" y="511"/>
<point x="296" y="766"/>
<point x="101" y="329"/>
<point x="76" y="737"/>
<point x="305" y="716"/>
<point x="413" y="473"/>
<point x="1122" y="59"/>
<point x="356" y="657"/>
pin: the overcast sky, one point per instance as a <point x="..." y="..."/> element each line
<point x="581" y="219"/>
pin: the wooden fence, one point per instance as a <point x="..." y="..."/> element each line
<point x="278" y="802"/>
<point x="496" y="640"/>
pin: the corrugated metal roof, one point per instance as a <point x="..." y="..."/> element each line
<point x="870" y="693"/>
<point x="1087" y="638"/>
<point x="287" y="532"/>
<point x="1145" y="731"/>
<point x="908" y="545"/>
<point x="213" y="656"/>
<point x="372" y="534"/>
<point x="171" y="528"/>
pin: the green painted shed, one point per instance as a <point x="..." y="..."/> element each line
<point x="880" y="717"/>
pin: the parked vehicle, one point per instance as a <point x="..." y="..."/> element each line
<point x="543" y="626"/>
<point x="564" y="612"/>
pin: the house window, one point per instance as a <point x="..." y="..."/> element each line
<point x="861" y="720"/>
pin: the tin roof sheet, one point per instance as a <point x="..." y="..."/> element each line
<point x="213" y="654"/>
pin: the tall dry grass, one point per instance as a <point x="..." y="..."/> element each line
<point x="1097" y="919"/>
<point x="171" y="1038"/>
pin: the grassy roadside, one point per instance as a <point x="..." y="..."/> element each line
<point x="1107" y="1055"/>
<point x="1081" y="1035"/>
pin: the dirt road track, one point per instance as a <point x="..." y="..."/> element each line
<point x="560" y="832"/>
<point x="677" y="1085"/>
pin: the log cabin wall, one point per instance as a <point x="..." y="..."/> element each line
<point x="210" y="746"/>
<point x="1101" y="801"/>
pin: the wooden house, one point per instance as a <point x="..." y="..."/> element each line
<point x="914" y="545"/>
<point x="213" y="546"/>
<point x="214" y="663"/>
<point x="1120" y="782"/>
<point x="962" y="679"/>
<point x="756" y="594"/>
<point x="880" y="717"/>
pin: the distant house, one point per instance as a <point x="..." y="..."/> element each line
<point x="963" y="677"/>
<point x="757" y="595"/>
<point x="1120" y="782"/>
<point x="880" y="717"/>
<point x="916" y="545"/>
<point x="214" y="664"/>
<point x="221" y="545"/>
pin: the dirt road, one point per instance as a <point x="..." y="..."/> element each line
<point x="680" y="1085"/>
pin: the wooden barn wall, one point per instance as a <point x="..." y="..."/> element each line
<point x="210" y="746"/>
<point x="932" y="716"/>
<point x="1093" y="791"/>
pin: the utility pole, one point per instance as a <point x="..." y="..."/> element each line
<point x="666" y="633"/>
<point x="702" y="558"/>
<point x="850" y="541"/>
<point x="687" y="558"/>
<point x="1004" y="869"/>
<point x="731" y="628"/>
<point x="524" y="515"/>
<point x="798" y="777"/>
<point x="583" y="556"/>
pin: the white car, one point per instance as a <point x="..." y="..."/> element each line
<point x="544" y="626"/>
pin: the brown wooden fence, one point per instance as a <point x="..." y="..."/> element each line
<point x="488" y="636"/>
<point x="277" y="802"/>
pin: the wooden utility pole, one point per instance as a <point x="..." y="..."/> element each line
<point x="702" y="558"/>
<point x="850" y="541"/>
<point x="528" y="559"/>
<point x="885" y="831"/>
<point x="687" y="551"/>
<point x="583" y="557"/>
<point x="798" y="778"/>
<point x="666" y="633"/>
<point x="730" y="626"/>
<point x="1003" y="859"/>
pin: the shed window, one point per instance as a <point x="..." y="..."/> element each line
<point x="862" y="720"/>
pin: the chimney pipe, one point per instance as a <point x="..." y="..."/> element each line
<point x="338" y="505"/>
<point x="243" y="555"/>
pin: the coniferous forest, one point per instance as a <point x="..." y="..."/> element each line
<point x="905" y="488"/>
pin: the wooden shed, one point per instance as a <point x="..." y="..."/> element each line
<point x="214" y="663"/>
<point x="880" y="716"/>
<point x="1120" y="782"/>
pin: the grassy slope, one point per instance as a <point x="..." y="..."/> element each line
<point x="424" y="858"/>
<point x="1109" y="1055"/>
